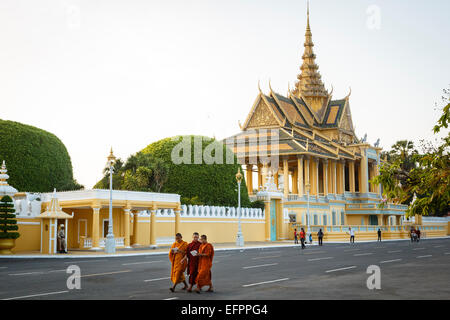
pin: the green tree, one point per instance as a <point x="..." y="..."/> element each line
<point x="425" y="175"/>
<point x="8" y="223"/>
<point x="153" y="169"/>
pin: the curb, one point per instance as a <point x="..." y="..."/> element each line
<point x="216" y="250"/>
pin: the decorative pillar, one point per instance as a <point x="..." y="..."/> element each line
<point x="351" y="173"/>
<point x="286" y="177"/>
<point x="177" y="219"/>
<point x="275" y="178"/>
<point x="153" y="226"/>
<point x="307" y="170"/>
<point x="342" y="174"/>
<point x="295" y="181"/>
<point x="300" y="172"/>
<point x="380" y="220"/>
<point x="334" y="177"/>
<point x="325" y="177"/>
<point x="267" y="218"/>
<point x="259" y="176"/>
<point x="316" y="175"/>
<point x="126" y="217"/>
<point x="364" y="173"/>
<point x="249" y="179"/>
<point x="95" y="227"/>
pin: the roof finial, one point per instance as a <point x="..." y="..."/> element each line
<point x="259" y="86"/>
<point x="307" y="15"/>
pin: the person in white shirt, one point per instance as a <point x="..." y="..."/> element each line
<point x="351" y="232"/>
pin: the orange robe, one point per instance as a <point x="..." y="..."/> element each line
<point x="177" y="272"/>
<point x="204" y="265"/>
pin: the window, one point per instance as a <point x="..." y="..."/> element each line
<point x="292" y="217"/>
<point x="362" y="221"/>
<point x="334" y="218"/>
<point x="315" y="220"/>
<point x="342" y="218"/>
<point x="105" y="227"/>
<point x="325" y="222"/>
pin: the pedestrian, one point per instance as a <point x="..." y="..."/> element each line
<point x="302" y="238"/>
<point x="379" y="234"/>
<point x="206" y="255"/>
<point x="192" y="259"/>
<point x="295" y="237"/>
<point x="413" y="234"/>
<point x="418" y="234"/>
<point x="310" y="238"/>
<point x="61" y="241"/>
<point x="320" y="236"/>
<point x="176" y="254"/>
<point x="351" y="232"/>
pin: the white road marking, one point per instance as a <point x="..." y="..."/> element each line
<point x="439" y="246"/>
<point x="351" y="250"/>
<point x="157" y="279"/>
<point x="142" y="262"/>
<point x="261" y="265"/>
<point x="315" y="259"/>
<point x="447" y="253"/>
<point x="227" y="255"/>
<point x="340" y="269"/>
<point x="25" y="273"/>
<point x="418" y="248"/>
<point x="427" y="256"/>
<point x="174" y="298"/>
<point x="362" y="254"/>
<point x="102" y="274"/>
<point x="258" y="283"/>
<point x="3" y="267"/>
<point x="394" y="251"/>
<point x="36" y="295"/>
<point x="266" y="257"/>
<point x="393" y="260"/>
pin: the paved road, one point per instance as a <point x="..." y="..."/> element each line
<point x="334" y="271"/>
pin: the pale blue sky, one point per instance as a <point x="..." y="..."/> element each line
<point x="127" y="73"/>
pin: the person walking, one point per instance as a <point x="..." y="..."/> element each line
<point x="379" y="234"/>
<point x="413" y="234"/>
<point x="320" y="236"/>
<point x="418" y="234"/>
<point x="176" y="255"/>
<point x="310" y="238"/>
<point x="295" y="236"/>
<point x="206" y="256"/>
<point x="351" y="232"/>
<point x="302" y="238"/>
<point x="192" y="260"/>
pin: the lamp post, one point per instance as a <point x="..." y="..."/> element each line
<point x="110" y="246"/>
<point x="239" y="236"/>
<point x="308" y="187"/>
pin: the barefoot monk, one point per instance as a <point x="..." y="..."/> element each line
<point x="206" y="255"/>
<point x="176" y="254"/>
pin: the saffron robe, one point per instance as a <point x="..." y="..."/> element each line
<point x="204" y="265"/>
<point x="177" y="271"/>
<point x="192" y="267"/>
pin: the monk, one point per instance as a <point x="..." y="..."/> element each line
<point x="192" y="260"/>
<point x="206" y="255"/>
<point x="176" y="254"/>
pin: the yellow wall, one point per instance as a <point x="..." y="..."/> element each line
<point x="30" y="235"/>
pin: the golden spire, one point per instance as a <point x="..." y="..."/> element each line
<point x="309" y="82"/>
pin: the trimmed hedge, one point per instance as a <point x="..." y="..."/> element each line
<point x="8" y="222"/>
<point x="37" y="160"/>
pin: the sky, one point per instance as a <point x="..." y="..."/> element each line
<point x="127" y="73"/>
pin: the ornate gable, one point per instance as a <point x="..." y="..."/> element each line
<point x="262" y="117"/>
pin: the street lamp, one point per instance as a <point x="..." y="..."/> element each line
<point x="110" y="246"/>
<point x="239" y="236"/>
<point x="308" y="187"/>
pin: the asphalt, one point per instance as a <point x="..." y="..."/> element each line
<point x="333" y="271"/>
